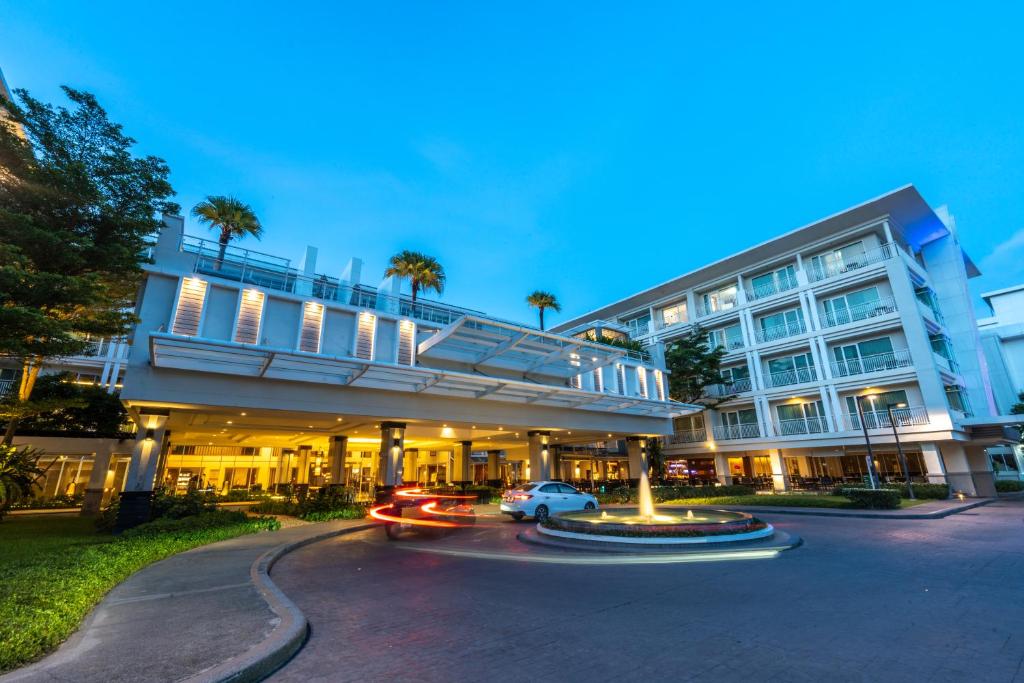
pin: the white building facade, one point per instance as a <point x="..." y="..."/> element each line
<point x="826" y="330"/>
<point x="1002" y="339"/>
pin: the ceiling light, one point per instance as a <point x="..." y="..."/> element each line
<point x="339" y="419"/>
<point x="243" y="414"/>
<point x="230" y="422"/>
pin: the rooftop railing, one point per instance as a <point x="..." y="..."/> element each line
<point x="776" y="332"/>
<point x="864" y="311"/>
<point x="879" y="362"/>
<point x="877" y="255"/>
<point x="739" y="431"/>
<point x="879" y="419"/>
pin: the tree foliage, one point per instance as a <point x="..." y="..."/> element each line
<point x="19" y="470"/>
<point x="424" y="272"/>
<point x="692" y="366"/>
<point x="76" y="208"/>
<point x="542" y="300"/>
<point x="1018" y="407"/>
<point x="63" y="406"/>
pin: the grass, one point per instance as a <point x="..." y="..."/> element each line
<point x="801" y="500"/>
<point x="55" y="568"/>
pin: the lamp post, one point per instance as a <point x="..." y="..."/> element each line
<point x="899" y="447"/>
<point x="867" y="441"/>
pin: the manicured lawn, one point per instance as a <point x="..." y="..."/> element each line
<point x="55" y="568"/>
<point x="782" y="500"/>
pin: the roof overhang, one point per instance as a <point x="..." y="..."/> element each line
<point x="204" y="355"/>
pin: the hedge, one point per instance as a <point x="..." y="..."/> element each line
<point x="662" y="494"/>
<point x="921" y="491"/>
<point x="873" y="499"/>
<point x="1009" y="485"/>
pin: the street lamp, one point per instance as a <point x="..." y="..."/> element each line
<point x="899" y="447"/>
<point x="870" y="457"/>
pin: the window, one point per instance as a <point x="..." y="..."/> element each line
<point x="549" y="488"/>
<point x="782" y="324"/>
<point x="801" y="418"/>
<point x="659" y="384"/>
<point x="864" y="303"/>
<point x="735" y="418"/>
<point x="736" y="374"/>
<point x="689" y="423"/>
<point x="189" y="311"/>
<point x="576" y="381"/>
<point x="838" y="260"/>
<point x="250" y="313"/>
<point x="674" y="314"/>
<point x="728" y="338"/>
<point x="639" y="326"/>
<point x="770" y="283"/>
<point x="719" y="300"/>
<point x="866" y="356"/>
<point x="366" y="329"/>
<point x="620" y="375"/>
<point x="565" y="488"/>
<point x="406" y="342"/>
<point x="598" y="380"/>
<point x="641" y="376"/>
<point x="878" y="402"/>
<point x="957" y="400"/>
<point x="312" y="326"/>
<point x="791" y="370"/>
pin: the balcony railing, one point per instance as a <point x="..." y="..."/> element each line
<point x="787" y="377"/>
<point x="869" y="257"/>
<point x="770" y="289"/>
<point x="740" y="431"/>
<point x="703" y="312"/>
<point x="732" y="388"/>
<point x="689" y="436"/>
<point x="879" y="362"/>
<point x="6" y="386"/>
<point x="807" y="425"/>
<point x="868" y="309"/>
<point x="879" y="419"/>
<point x="775" y="332"/>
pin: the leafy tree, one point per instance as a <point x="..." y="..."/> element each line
<point x="75" y="408"/>
<point x="1018" y="407"/>
<point x="542" y="300"/>
<point x="234" y="218"/>
<point x="19" y="470"/>
<point x="692" y="366"/>
<point x="424" y="272"/>
<point x="76" y="208"/>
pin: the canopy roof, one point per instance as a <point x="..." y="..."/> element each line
<point x="482" y="344"/>
<point x="204" y="355"/>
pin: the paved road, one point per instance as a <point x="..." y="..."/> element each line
<point x="861" y="600"/>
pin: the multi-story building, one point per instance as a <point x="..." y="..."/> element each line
<point x="856" y="329"/>
<point x="1002" y="339"/>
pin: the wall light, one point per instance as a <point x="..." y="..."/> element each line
<point x="149" y="434"/>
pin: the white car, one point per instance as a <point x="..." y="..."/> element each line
<point x="540" y="499"/>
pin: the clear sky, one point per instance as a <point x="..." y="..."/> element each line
<point x="591" y="149"/>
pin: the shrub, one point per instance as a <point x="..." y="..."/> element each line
<point x="662" y="494"/>
<point x="242" y="495"/>
<point x="873" y="499"/>
<point x="335" y="502"/>
<point x="1009" y="485"/>
<point x="56" y="502"/>
<point x="206" y="520"/>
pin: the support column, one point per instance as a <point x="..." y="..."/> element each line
<point x="722" y="469"/>
<point x="336" y="453"/>
<point x="392" y="450"/>
<point x="981" y="471"/>
<point x="934" y="467"/>
<point x="493" y="460"/>
<point x="958" y="469"/>
<point x="410" y="464"/>
<point x="556" y="462"/>
<point x="93" y="501"/>
<point x="463" y="451"/>
<point x="303" y="464"/>
<point x="637" y="453"/>
<point x="780" y="477"/>
<point x="540" y="455"/>
<point x="137" y="497"/>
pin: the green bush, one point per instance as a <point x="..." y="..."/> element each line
<point x="1009" y="485"/>
<point x="56" y="502"/>
<point x="662" y="494"/>
<point x="242" y="495"/>
<point x="351" y="512"/>
<point x="873" y="499"/>
<point x="335" y="502"/>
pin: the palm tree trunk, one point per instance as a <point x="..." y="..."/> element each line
<point x="540" y="310"/>
<point x="415" y="291"/>
<point x="225" y="237"/>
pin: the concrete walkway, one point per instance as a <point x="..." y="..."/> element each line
<point x="208" y="614"/>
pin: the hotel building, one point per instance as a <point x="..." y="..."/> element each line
<point x="855" y="329"/>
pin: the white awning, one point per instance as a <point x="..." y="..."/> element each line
<point x="204" y="355"/>
<point x="484" y="344"/>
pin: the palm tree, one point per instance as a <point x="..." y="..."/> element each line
<point x="424" y="272"/>
<point x="233" y="217"/>
<point x="19" y="470"/>
<point x="542" y="300"/>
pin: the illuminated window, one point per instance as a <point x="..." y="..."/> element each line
<point x="406" y="342"/>
<point x="366" y="328"/>
<point x="189" y="311"/>
<point x="312" y="325"/>
<point x="620" y="372"/>
<point x="676" y="313"/>
<point x="641" y="376"/>
<point x="598" y="380"/>
<point x="250" y="314"/>
<point x="576" y="381"/>
<point x="659" y="384"/>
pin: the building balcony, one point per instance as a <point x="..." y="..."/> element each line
<point x="912" y="416"/>
<point x="723" y="389"/>
<point x="881" y="362"/>
<point x="771" y="289"/>
<point x="864" y="311"/>
<point x="808" y="425"/>
<point x="688" y="436"/>
<point x="870" y="257"/>
<point x="732" y="432"/>
<point x="777" y="332"/>
<point x="703" y="312"/>
<point x="789" y="377"/>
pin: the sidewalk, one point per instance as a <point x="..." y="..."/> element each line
<point x="933" y="509"/>
<point x="208" y="614"/>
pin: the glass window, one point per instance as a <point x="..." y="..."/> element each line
<point x="776" y="281"/>
<point x="878" y="401"/>
<point x="549" y="488"/>
<point x="719" y="300"/>
<point x="565" y="488"/>
<point x="676" y="313"/>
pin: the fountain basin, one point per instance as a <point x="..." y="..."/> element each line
<point x="666" y="527"/>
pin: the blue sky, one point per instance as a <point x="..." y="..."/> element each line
<point x="585" y="148"/>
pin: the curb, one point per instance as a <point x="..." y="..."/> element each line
<point x="825" y="512"/>
<point x="288" y="635"/>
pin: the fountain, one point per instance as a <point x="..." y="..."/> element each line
<point x="648" y="525"/>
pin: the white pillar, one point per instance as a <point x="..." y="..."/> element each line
<point x="934" y="467"/>
<point x="493" y="458"/>
<point x="722" y="469"/>
<point x="94" y="490"/>
<point x="981" y="471"/>
<point x="148" y="443"/>
<point x="392" y="450"/>
<point x="463" y="451"/>
<point x="780" y="477"/>
<point x="336" y="453"/>
<point x="540" y="455"/>
<point x="637" y="456"/>
<point x="410" y="465"/>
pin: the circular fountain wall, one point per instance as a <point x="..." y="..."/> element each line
<point x="664" y="527"/>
